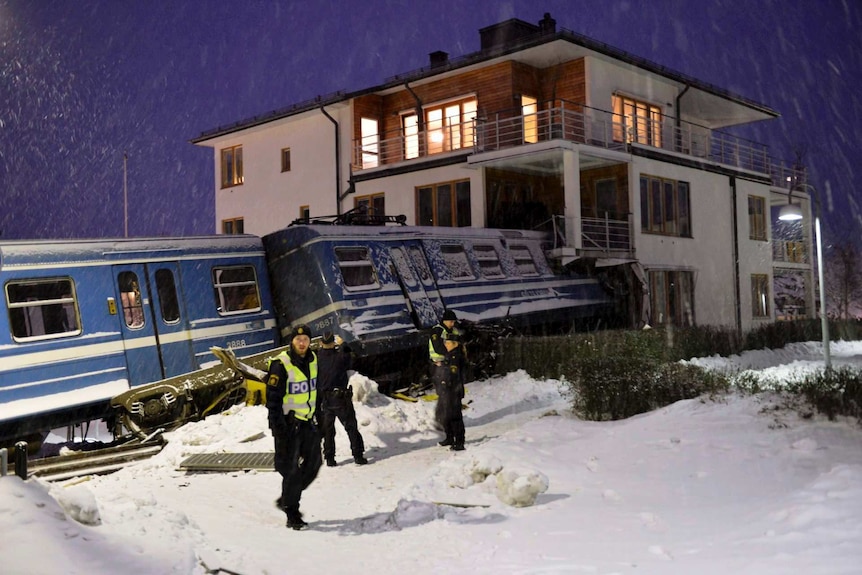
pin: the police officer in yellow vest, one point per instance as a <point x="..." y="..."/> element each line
<point x="291" y="401"/>
<point x="448" y="363"/>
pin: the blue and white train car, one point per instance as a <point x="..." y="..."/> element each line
<point x="380" y="287"/>
<point x="85" y="320"/>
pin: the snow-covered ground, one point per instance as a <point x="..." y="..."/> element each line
<point x="736" y="485"/>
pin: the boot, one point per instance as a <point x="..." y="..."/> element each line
<point x="446" y="442"/>
<point x="330" y="462"/>
<point x="457" y="447"/>
<point x="294" y="519"/>
<point x="359" y="459"/>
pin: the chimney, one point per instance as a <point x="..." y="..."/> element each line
<point x="506" y="34"/>
<point x="547" y="25"/>
<point x="438" y="58"/>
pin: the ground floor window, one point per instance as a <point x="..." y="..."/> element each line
<point x="760" y="295"/>
<point x="373" y="204"/>
<point x="446" y="204"/>
<point x="233" y="226"/>
<point x="672" y="297"/>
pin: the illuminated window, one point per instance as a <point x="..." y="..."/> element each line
<point x="233" y="226"/>
<point x="285" y="159"/>
<point x="665" y="207"/>
<point x="445" y="204"/>
<point x="529" y="109"/>
<point x="231" y="167"/>
<point x="448" y="127"/>
<point x="639" y="121"/>
<point x="131" y="300"/>
<point x="760" y="295"/>
<point x="410" y="125"/>
<point x="756" y="218"/>
<point x="370" y="142"/>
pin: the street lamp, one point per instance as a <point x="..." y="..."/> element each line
<point x="792" y="212"/>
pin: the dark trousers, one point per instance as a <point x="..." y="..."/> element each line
<point x="450" y="391"/>
<point x="297" y="459"/>
<point x="338" y="404"/>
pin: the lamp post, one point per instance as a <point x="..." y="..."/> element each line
<point x="792" y="212"/>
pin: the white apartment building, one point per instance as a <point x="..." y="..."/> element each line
<point x="625" y="162"/>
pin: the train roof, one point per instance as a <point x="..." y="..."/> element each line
<point x="297" y="235"/>
<point x="24" y="252"/>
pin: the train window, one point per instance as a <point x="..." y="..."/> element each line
<point x="489" y="261"/>
<point x="356" y="268"/>
<point x="403" y="267"/>
<point x="42" y="309"/>
<point x="130" y="297"/>
<point x="236" y="289"/>
<point x="456" y="261"/>
<point x="523" y="260"/>
<point x="168" y="301"/>
<point x="421" y="265"/>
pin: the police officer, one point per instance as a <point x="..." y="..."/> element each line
<point x="291" y="400"/>
<point x="337" y="398"/>
<point x="448" y="363"/>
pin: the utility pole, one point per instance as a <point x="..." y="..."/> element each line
<point x="125" y="196"/>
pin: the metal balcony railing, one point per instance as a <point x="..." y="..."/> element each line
<point x="597" y="234"/>
<point x="793" y="252"/>
<point x="573" y="122"/>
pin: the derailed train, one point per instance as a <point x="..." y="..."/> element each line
<point x="122" y="329"/>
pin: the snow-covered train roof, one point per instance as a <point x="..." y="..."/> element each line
<point x="294" y="236"/>
<point x="25" y="252"/>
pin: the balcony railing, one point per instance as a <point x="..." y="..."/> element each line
<point x="572" y="122"/>
<point x="792" y="252"/>
<point x="604" y="235"/>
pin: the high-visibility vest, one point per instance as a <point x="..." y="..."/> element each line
<point x="432" y="353"/>
<point x="301" y="392"/>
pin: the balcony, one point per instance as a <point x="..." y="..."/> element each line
<point x="571" y="122"/>
<point x="789" y="252"/>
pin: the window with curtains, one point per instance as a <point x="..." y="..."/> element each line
<point x="756" y="218"/>
<point x="760" y="295"/>
<point x="665" y="206"/>
<point x="672" y="297"/>
<point x="447" y="127"/>
<point x="231" y="167"/>
<point x="636" y="121"/>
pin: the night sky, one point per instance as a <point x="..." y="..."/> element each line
<point x="82" y="82"/>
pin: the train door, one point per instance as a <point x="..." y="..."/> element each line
<point x="418" y="285"/>
<point x="153" y="322"/>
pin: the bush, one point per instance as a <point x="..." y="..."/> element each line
<point x="836" y="392"/>
<point x="615" y="374"/>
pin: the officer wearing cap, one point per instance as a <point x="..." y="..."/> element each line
<point x="336" y="398"/>
<point x="448" y="363"/>
<point x="291" y="402"/>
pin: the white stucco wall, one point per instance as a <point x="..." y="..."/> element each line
<point x="269" y="199"/>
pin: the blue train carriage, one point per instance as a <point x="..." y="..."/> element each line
<point x="382" y="287"/>
<point x="86" y="320"/>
